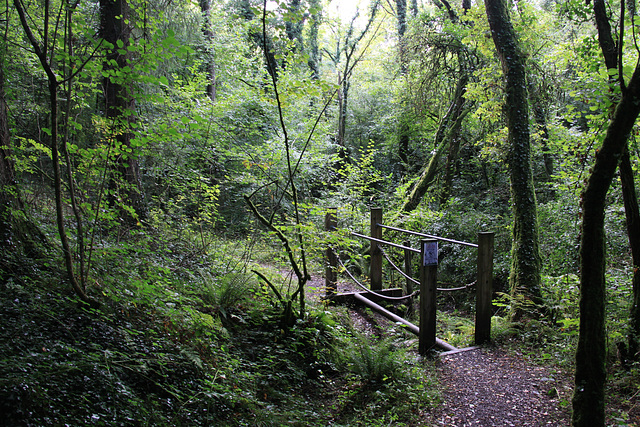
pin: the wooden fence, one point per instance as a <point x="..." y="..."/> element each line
<point x="428" y="252"/>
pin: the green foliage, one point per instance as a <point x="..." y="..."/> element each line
<point x="389" y="385"/>
<point x="360" y="182"/>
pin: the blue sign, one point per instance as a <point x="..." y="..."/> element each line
<point x="430" y="253"/>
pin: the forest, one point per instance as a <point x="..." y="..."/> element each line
<point x="166" y="168"/>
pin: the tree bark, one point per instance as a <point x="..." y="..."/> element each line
<point x="119" y="103"/>
<point x="632" y="215"/>
<point x="525" y="255"/>
<point x="590" y="377"/>
<point x="207" y="33"/>
<point x="447" y="131"/>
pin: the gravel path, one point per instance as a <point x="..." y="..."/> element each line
<point x="488" y="387"/>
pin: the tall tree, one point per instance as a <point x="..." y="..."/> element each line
<point x="8" y="189"/>
<point x="590" y="375"/>
<point x="414" y="7"/>
<point x="315" y="9"/>
<point x="403" y="125"/>
<point x="525" y="255"/>
<point x="210" y="62"/>
<point x="260" y="38"/>
<point x="448" y="133"/>
<point x="119" y="103"/>
<point x="345" y="57"/>
<point x="612" y="55"/>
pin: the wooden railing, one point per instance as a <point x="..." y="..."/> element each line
<point x="428" y="251"/>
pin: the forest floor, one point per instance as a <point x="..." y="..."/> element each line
<point x="495" y="386"/>
<point x="490" y="387"/>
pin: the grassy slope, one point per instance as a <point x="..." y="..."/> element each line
<point x="176" y="352"/>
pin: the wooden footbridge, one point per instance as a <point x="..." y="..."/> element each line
<point x="427" y="283"/>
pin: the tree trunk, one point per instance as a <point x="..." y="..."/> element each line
<point x="312" y="40"/>
<point x="53" y="85"/>
<point x="115" y="29"/>
<point x="632" y="214"/>
<point x="610" y="51"/>
<point x="414" y="7"/>
<point x="525" y="261"/>
<point x="9" y="199"/>
<point x="403" y="125"/>
<point x="261" y="40"/>
<point x="588" y="399"/>
<point x="447" y="131"/>
<point x="293" y="27"/>
<point x="210" y="62"/>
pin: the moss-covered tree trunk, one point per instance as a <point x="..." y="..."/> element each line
<point x="525" y="255"/>
<point x="447" y="131"/>
<point x="588" y="399"/>
<point x="632" y="214"/>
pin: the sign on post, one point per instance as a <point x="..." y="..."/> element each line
<point x="428" y="279"/>
<point x="430" y="253"/>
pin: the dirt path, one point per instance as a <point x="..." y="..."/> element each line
<point x="488" y="387"/>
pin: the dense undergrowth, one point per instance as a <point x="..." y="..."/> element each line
<point x="186" y="334"/>
<point x="189" y="337"/>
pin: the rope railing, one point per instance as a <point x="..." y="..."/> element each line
<point x="417" y="282"/>
<point x="428" y="264"/>
<point x="395" y="245"/>
<point x="357" y="282"/>
<point x="390" y="261"/>
<point x="429" y="236"/>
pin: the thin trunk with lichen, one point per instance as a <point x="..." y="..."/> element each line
<point x="447" y="131"/>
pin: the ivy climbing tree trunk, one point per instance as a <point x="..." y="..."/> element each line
<point x="525" y="255"/>
<point x="315" y="7"/>
<point x="119" y="104"/>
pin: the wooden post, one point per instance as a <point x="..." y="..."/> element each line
<point x="428" y="284"/>
<point x="331" y="262"/>
<point x="484" y="288"/>
<point x="375" y="273"/>
<point x="408" y="255"/>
